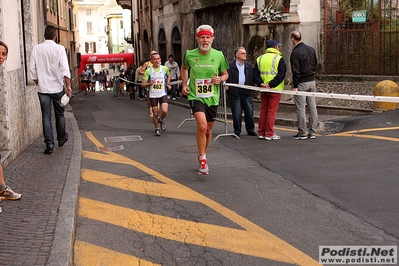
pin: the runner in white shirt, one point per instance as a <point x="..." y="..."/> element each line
<point x="156" y="78"/>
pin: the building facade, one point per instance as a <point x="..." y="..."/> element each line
<point x="350" y="37"/>
<point x="104" y="28"/>
<point x="168" y="26"/>
<point x="22" y="24"/>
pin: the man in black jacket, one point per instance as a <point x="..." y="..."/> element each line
<point x="303" y="64"/>
<point x="241" y="72"/>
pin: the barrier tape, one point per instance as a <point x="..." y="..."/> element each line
<point x="139" y="83"/>
<point x="370" y="98"/>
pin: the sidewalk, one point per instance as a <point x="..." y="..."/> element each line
<point x="38" y="229"/>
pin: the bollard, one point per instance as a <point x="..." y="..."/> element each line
<point x="386" y="88"/>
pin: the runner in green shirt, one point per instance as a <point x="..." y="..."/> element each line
<point x="208" y="69"/>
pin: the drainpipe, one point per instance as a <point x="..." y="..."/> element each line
<point x="24" y="43"/>
<point x="137" y="49"/>
<point x="44" y="13"/>
<point x="151" y="25"/>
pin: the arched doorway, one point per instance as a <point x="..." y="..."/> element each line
<point x="146" y="46"/>
<point x="162" y="45"/>
<point x="176" y="45"/>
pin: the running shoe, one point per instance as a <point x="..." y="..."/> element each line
<point x="162" y="124"/>
<point x="8" y="194"/>
<point x="274" y="137"/>
<point x="203" y="167"/>
<point x="298" y="136"/>
<point x="261" y="137"/>
<point x="157" y="132"/>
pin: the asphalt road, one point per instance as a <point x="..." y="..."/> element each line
<point x="263" y="203"/>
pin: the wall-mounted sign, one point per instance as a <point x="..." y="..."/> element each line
<point x="359" y="16"/>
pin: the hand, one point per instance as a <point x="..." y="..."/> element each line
<point x="263" y="85"/>
<point x="68" y="91"/>
<point x="217" y="79"/>
<point x="295" y="89"/>
<point x="185" y="90"/>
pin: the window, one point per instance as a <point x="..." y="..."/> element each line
<point x="89" y="28"/>
<point x="54" y="6"/>
<point x="90" y="47"/>
<point x="88" y="12"/>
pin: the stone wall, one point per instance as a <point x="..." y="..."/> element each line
<point x="20" y="115"/>
<point x="355" y="88"/>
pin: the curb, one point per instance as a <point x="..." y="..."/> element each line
<point x="62" y="250"/>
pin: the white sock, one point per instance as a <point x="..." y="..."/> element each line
<point x="202" y="157"/>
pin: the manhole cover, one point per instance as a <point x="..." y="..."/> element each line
<point x="123" y="138"/>
<point x="115" y="148"/>
<point x="193" y="149"/>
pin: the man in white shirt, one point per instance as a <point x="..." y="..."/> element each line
<point x="49" y="69"/>
<point x="174" y="75"/>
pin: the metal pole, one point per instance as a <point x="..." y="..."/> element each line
<point x="191" y="118"/>
<point x="223" y="91"/>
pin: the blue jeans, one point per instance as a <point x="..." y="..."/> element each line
<point x="45" y="100"/>
<point x="173" y="89"/>
<point x="238" y="105"/>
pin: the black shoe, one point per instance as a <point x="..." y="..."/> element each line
<point x="297" y="136"/>
<point x="62" y="142"/>
<point x="252" y="134"/>
<point x="48" y="150"/>
<point x="311" y="136"/>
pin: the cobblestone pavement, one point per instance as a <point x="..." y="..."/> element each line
<point x="38" y="228"/>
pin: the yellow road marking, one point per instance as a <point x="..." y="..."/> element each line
<point x="189" y="232"/>
<point x="367" y="137"/>
<point x="96" y="256"/>
<point x="256" y="240"/>
<point x="357" y="134"/>
<point x="135" y="185"/>
<point x="370" y="130"/>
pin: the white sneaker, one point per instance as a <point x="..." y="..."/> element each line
<point x="261" y="137"/>
<point x="8" y="194"/>
<point x="274" y="137"/>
